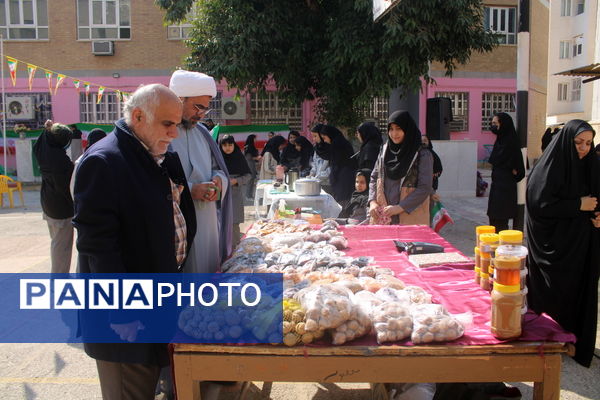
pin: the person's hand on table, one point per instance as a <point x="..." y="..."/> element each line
<point x="128" y="331"/>
<point x="392" y="210"/>
<point x="596" y="220"/>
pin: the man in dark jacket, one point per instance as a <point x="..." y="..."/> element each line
<point x="56" y="169"/>
<point x="134" y="214"/>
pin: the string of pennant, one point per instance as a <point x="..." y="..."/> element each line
<point x="60" y="78"/>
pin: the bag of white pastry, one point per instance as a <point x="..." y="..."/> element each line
<point x="433" y="323"/>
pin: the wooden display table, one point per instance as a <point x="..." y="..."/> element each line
<point x="513" y="362"/>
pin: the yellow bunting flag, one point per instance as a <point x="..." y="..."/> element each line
<point x="49" y="78"/>
<point x="100" y="93"/>
<point x="59" y="79"/>
<point x="12" y="67"/>
<point x="31" y="73"/>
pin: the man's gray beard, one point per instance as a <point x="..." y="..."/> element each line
<point x="187" y="124"/>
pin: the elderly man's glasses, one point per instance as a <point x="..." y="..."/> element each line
<point x="202" y="109"/>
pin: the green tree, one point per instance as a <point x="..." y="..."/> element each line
<point x="330" y="49"/>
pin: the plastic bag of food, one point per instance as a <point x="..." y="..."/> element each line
<point x="369" y="270"/>
<point x="329" y="224"/>
<point x="359" y="324"/>
<point x="391" y="281"/>
<point x="287" y="239"/>
<point x="418" y="295"/>
<point x="353" y="285"/>
<point x="432" y="323"/>
<point x="383" y="271"/>
<point x="392" y="322"/>
<point x="252" y="245"/>
<point x="340" y="242"/>
<point x="340" y="262"/>
<point x="272" y="258"/>
<point x="362" y="261"/>
<point x="391" y="295"/>
<point x="327" y="306"/>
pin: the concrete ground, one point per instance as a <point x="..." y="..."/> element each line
<point x="61" y="371"/>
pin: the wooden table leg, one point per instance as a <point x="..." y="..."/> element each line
<point x="187" y="387"/>
<point x="549" y="388"/>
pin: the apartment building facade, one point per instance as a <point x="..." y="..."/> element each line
<point x="574" y="43"/>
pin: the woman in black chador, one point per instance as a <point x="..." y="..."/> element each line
<point x="507" y="170"/>
<point x="563" y="239"/>
<point x="370" y="145"/>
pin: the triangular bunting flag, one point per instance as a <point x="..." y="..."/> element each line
<point x="100" y="93"/>
<point x="86" y="85"/>
<point x="120" y="94"/>
<point x="31" y="72"/>
<point x="76" y="83"/>
<point x="59" y="79"/>
<point x="49" y="78"/>
<point x="12" y="67"/>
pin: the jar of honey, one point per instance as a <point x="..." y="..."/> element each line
<point x="488" y="243"/>
<point x="483" y="229"/>
<point x="507" y="270"/>
<point x="511" y="237"/>
<point x="484" y="281"/>
<point x="477" y="264"/>
<point x="507" y="303"/>
<point x="511" y="250"/>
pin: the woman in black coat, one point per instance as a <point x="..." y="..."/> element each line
<point x="370" y="138"/>
<point x="306" y="150"/>
<point x="252" y="158"/>
<point x="290" y="156"/>
<point x="507" y="170"/>
<point x="563" y="236"/>
<point x="343" y="165"/>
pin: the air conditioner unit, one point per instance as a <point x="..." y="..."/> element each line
<point x="233" y="109"/>
<point x="103" y="48"/>
<point x="20" y="108"/>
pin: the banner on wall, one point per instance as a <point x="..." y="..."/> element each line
<point x="241" y="132"/>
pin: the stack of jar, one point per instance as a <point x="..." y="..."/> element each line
<point x="478" y="258"/>
<point x="509" y="292"/>
<point x="488" y="243"/>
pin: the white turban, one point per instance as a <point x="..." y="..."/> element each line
<point x="192" y="84"/>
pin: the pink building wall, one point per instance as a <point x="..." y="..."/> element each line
<point x="478" y="129"/>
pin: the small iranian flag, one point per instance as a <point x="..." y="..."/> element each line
<point x="440" y="216"/>
<point x="76" y="83"/>
<point x="86" y="85"/>
<point x="59" y="79"/>
<point x="49" y="78"/>
<point x="31" y="72"/>
<point x="100" y="93"/>
<point x="12" y="67"/>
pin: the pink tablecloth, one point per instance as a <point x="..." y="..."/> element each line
<point x="453" y="287"/>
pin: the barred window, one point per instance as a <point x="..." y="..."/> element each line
<point x="183" y="30"/>
<point x="107" y="111"/>
<point x="576" y="89"/>
<point x="503" y="21"/>
<point x="496" y="102"/>
<point x="563" y="88"/>
<point x="215" y="106"/>
<point x="268" y="108"/>
<point x="24" y="19"/>
<point x="103" y="19"/>
<point x="377" y="112"/>
<point x="460" y="110"/>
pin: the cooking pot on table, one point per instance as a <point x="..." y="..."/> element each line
<point x="307" y="187"/>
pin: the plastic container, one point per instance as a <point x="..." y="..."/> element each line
<point x="477" y="275"/>
<point x="523" y="278"/>
<point x="484" y="282"/>
<point x="507" y="303"/>
<point x="477" y="262"/>
<point x="507" y="270"/>
<point x="488" y="243"/>
<point x="483" y="229"/>
<point x="511" y="237"/>
<point x="510" y="250"/>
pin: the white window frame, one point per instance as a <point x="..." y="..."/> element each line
<point x="577" y="46"/>
<point x="565" y="8"/>
<point x="377" y="111"/>
<point x="460" y="110"/>
<point x="8" y="26"/>
<point x="91" y="26"/>
<point x="579" y="7"/>
<point x="576" y="89"/>
<point x="492" y="103"/>
<point x="564" y="51"/>
<point x="268" y="108"/>
<point x="183" y="30"/>
<point x="108" y="111"/>
<point x="562" y="92"/>
<point x="497" y="20"/>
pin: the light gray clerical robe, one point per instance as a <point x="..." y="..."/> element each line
<point x="202" y="161"/>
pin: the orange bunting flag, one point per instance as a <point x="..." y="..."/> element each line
<point x="76" y="83"/>
<point x="49" y="78"/>
<point x="12" y="67"/>
<point x="100" y="93"/>
<point x="59" y="79"/>
<point x="31" y="73"/>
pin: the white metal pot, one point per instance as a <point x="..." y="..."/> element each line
<point x="307" y="187"/>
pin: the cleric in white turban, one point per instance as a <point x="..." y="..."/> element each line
<point x="205" y="171"/>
